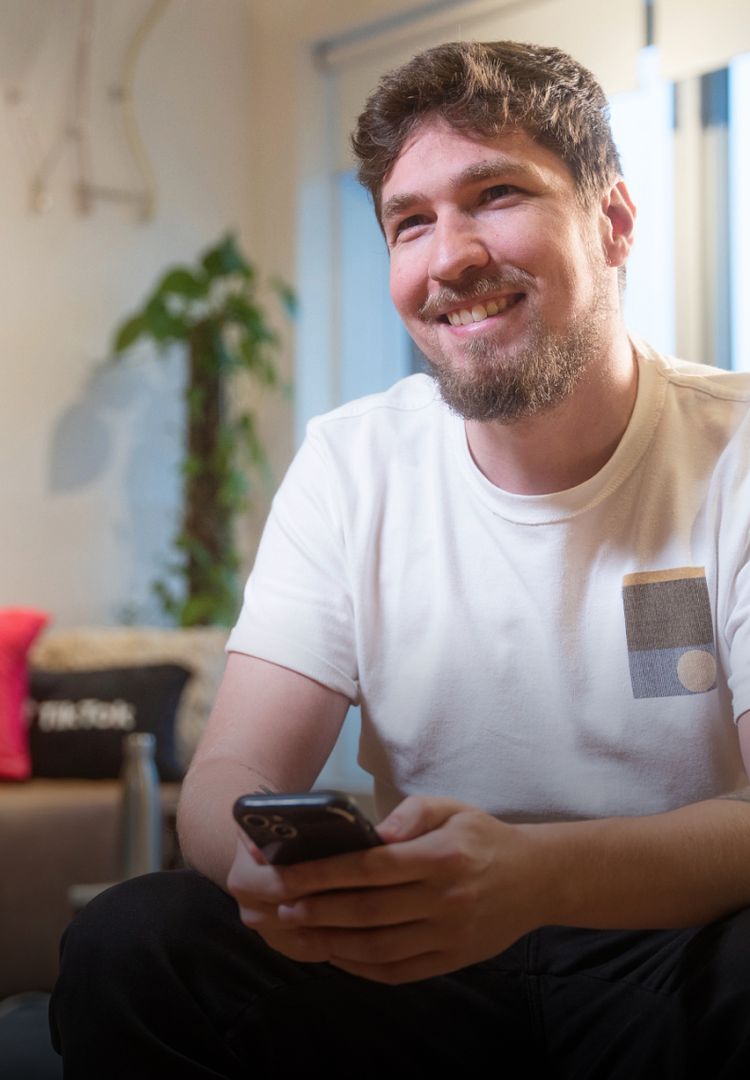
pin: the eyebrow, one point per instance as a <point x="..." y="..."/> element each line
<point x="491" y="169"/>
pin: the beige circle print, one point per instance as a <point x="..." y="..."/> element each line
<point x="696" y="670"/>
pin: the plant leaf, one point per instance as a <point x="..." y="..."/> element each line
<point x="129" y="332"/>
<point x="225" y="259"/>
<point x="182" y="282"/>
<point x="286" y="294"/>
<point x="161" y="324"/>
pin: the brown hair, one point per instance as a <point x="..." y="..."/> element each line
<point x="486" y="88"/>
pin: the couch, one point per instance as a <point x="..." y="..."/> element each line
<point x="58" y="833"/>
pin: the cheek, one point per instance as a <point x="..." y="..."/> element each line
<point x="405" y="291"/>
<point x="565" y="263"/>
<point x="527" y="236"/>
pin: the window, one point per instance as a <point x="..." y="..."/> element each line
<point x="642" y="124"/>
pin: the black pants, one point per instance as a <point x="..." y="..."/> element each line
<point x="160" y="979"/>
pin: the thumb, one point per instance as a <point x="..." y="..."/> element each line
<point x="418" y="815"/>
<point x="244" y="841"/>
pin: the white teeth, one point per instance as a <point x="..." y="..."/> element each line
<point x="479" y="312"/>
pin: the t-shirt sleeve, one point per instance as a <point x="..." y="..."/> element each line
<point x="297" y="608"/>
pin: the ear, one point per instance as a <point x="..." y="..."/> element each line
<point x="617" y="224"/>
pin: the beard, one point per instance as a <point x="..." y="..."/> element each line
<point x="509" y="384"/>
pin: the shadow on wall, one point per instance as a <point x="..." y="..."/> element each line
<point x="82" y="444"/>
<point x="124" y="434"/>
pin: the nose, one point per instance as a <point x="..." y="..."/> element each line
<point x="457" y="248"/>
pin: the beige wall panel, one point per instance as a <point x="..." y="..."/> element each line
<point x="695" y="36"/>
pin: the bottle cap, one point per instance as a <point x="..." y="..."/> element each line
<point x="139" y="742"/>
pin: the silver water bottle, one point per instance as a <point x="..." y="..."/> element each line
<point x="141" y="806"/>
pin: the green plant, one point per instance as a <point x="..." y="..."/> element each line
<point x="212" y="309"/>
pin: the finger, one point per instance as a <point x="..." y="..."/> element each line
<point x="379" y="866"/>
<point x="256" y="888"/>
<point x="411" y="861"/>
<point x="306" y="946"/>
<point x="253" y="884"/>
<point x="416" y="816"/>
<point x="252" y="849"/>
<point x="257" y="915"/>
<point x="386" y="945"/>
<point x="387" y="906"/>
<point x="403" y="971"/>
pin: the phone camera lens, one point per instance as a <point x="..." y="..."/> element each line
<point x="284" y="832"/>
<point x="256" y="821"/>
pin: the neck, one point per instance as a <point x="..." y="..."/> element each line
<point x="559" y="449"/>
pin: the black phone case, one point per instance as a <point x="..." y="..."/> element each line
<point x="291" y="828"/>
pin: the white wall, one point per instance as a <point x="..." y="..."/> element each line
<point x="88" y="454"/>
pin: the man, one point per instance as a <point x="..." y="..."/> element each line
<point x="533" y="574"/>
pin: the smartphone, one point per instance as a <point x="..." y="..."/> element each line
<point x="291" y="828"/>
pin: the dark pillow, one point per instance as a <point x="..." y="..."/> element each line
<point x="78" y="719"/>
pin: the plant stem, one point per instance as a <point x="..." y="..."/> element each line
<point x="206" y="520"/>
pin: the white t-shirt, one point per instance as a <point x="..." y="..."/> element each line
<point x="545" y="657"/>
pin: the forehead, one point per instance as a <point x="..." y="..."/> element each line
<point x="437" y="154"/>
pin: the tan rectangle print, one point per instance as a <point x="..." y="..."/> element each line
<point x="678" y="573"/>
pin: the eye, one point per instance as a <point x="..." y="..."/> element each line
<point x="498" y="191"/>
<point x="408" y="223"/>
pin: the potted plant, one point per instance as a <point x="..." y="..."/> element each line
<point x="212" y="309"/>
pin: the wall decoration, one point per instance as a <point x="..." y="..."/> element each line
<point x="26" y="29"/>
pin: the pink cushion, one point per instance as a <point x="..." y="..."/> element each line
<point x="18" y="628"/>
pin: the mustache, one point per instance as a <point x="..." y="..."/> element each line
<point x="510" y="278"/>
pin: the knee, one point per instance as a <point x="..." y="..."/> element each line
<point x="134" y="926"/>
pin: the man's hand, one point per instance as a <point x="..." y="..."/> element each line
<point x="450" y="887"/>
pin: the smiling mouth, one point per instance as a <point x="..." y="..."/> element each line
<point x="479" y="312"/>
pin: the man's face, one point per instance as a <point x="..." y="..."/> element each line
<point x="497" y="271"/>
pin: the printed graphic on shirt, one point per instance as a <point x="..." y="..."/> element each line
<point x="670" y="632"/>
